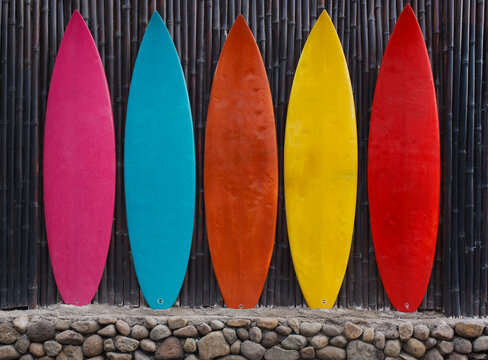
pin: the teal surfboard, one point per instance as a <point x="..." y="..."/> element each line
<point x="159" y="168"/>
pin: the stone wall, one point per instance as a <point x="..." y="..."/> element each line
<point x="253" y="337"/>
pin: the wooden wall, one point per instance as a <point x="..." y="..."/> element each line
<point x="30" y="34"/>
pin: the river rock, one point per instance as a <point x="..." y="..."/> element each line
<point x="421" y="332"/>
<point x="20" y="323"/>
<point x="379" y="340"/>
<point x="22" y="344"/>
<point x="277" y="353"/>
<point x="108" y="331"/>
<point x="358" y="350"/>
<point x="319" y="341"/>
<point x="122" y="327"/>
<point x="147" y="345"/>
<point x="190" y="345"/>
<point x="41" y="331"/>
<point x="186" y="331"/>
<point x="239" y="322"/>
<point x="283" y="330"/>
<point x="229" y="335"/>
<point x="331" y="330"/>
<point x="93" y="346"/>
<point x="176" y="323"/>
<point x="8" y="352"/>
<point x="53" y="348"/>
<point x="392" y="348"/>
<point x="204" y="329"/>
<point x="159" y="332"/>
<point x="213" y="345"/>
<point x="69" y="337"/>
<point x="352" y="331"/>
<point x="126" y="344"/>
<point x="86" y="327"/>
<point x="270" y="339"/>
<point x="307" y="353"/>
<point x="331" y="353"/>
<point x="139" y="332"/>
<point x="171" y="348"/>
<point x="414" y="347"/>
<point x="462" y="345"/>
<point x="443" y="331"/>
<point x="294" y="342"/>
<point x="468" y="330"/>
<point x="267" y="323"/>
<point x="255" y="334"/>
<point x="405" y="331"/>
<point x="310" y="328"/>
<point x="252" y="350"/>
<point x="150" y="322"/>
<point x="480" y="344"/>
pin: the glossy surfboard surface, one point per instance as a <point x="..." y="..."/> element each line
<point x="320" y="166"/>
<point x="78" y="166"/>
<point x="159" y="168"/>
<point x="404" y="166"/>
<point x="240" y="170"/>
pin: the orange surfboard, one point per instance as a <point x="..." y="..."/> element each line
<point x="241" y="170"/>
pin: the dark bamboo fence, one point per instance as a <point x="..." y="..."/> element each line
<point x="454" y="30"/>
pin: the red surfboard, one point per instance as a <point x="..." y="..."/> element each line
<point x="404" y="166"/>
<point x="79" y="166"/>
<point x="241" y="170"/>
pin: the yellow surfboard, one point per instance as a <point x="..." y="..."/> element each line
<point x="320" y="170"/>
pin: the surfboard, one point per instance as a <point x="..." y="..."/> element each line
<point x="240" y="170"/>
<point x="159" y="168"/>
<point x="320" y="166"/>
<point x="404" y="166"/>
<point x="78" y="166"/>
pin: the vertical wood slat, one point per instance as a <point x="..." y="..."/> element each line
<point x="30" y="34"/>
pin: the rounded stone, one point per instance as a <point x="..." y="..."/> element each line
<point x="108" y="331"/>
<point x="107" y="320"/>
<point x="358" y="350"/>
<point x="139" y="332"/>
<point x="430" y="343"/>
<point x="455" y="356"/>
<point x="405" y="331"/>
<point x="204" y="329"/>
<point x="433" y="354"/>
<point x="86" y="327"/>
<point x="421" y="332"/>
<point x="352" y="331"/>
<point x="230" y="335"/>
<point x="20" y="323"/>
<point x="62" y="325"/>
<point x="480" y="344"/>
<point x="294" y="324"/>
<point x="414" y="347"/>
<point x="150" y="322"/>
<point x="462" y="346"/>
<point x="8" y="352"/>
<point x="239" y="323"/>
<point x="392" y="333"/>
<point x="445" y="347"/>
<point x="170" y="349"/>
<point x="69" y="337"/>
<point x="379" y="340"/>
<point x="52" y="348"/>
<point x="331" y="330"/>
<point x="339" y="341"/>
<point x="213" y="345"/>
<point x="8" y="334"/>
<point x="270" y="339"/>
<point x="283" y="330"/>
<point x="368" y="335"/>
<point x="22" y="344"/>
<point x="310" y="328"/>
<point x="392" y="348"/>
<point x="307" y="353"/>
<point x="319" y="341"/>
<point x="108" y="345"/>
<point x="176" y="323"/>
<point x="294" y="342"/>
<point x="118" y="356"/>
<point x="217" y="325"/>
<point x="235" y="348"/>
<point x="23" y="357"/>
<point x="267" y="323"/>
<point x="37" y="349"/>
<point x="255" y="334"/>
<point x="160" y="332"/>
<point x="190" y="345"/>
<point x="93" y="346"/>
<point x="147" y="345"/>
<point x="277" y="353"/>
<point x="139" y="355"/>
<point x="41" y="331"/>
<point x="186" y="331"/>
<point x="331" y="353"/>
<point x="443" y="331"/>
<point x="126" y="344"/>
<point x="252" y="350"/>
<point x="242" y="334"/>
<point x="70" y="352"/>
<point x="122" y="327"/>
<point x="468" y="330"/>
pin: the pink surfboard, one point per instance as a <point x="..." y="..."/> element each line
<point x="79" y="166"/>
